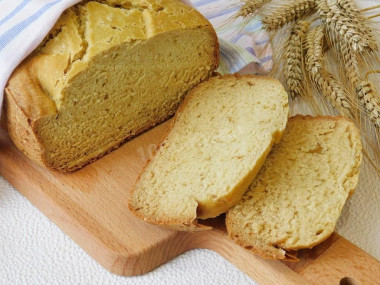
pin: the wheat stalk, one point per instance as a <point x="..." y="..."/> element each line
<point x="250" y="7"/>
<point x="288" y="13"/>
<point x="370" y="101"/>
<point x="331" y="88"/>
<point x="294" y="57"/>
<point x="340" y="24"/>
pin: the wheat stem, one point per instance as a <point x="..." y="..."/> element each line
<point x="288" y="13"/>
<point x="293" y="56"/>
<point x="370" y="101"/>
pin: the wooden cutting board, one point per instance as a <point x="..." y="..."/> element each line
<point x="90" y="205"/>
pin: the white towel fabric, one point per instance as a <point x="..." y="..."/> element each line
<point x="23" y="25"/>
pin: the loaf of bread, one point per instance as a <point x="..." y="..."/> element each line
<point x="298" y="195"/>
<point x="107" y="71"/>
<point x="219" y="139"/>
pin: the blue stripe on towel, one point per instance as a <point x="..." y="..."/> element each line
<point x="15" y="11"/>
<point x="13" y="32"/>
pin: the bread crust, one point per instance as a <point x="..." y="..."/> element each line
<point x="282" y="253"/>
<point x="27" y="103"/>
<point x="235" y="195"/>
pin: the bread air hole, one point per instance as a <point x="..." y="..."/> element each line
<point x="318" y="232"/>
<point x="348" y="281"/>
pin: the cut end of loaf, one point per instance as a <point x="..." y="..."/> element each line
<point x="296" y="199"/>
<point x="219" y="139"/>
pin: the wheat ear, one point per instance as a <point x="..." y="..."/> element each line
<point x="352" y="12"/>
<point x="288" y="13"/>
<point x="365" y="90"/>
<point x="351" y="64"/>
<point x="331" y="88"/>
<point x="250" y="7"/>
<point x="370" y="101"/>
<point x="341" y="25"/>
<point x="293" y="58"/>
<point x="314" y="46"/>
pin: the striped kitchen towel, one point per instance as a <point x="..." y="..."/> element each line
<point x="24" y="24"/>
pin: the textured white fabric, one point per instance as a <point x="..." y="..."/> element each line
<point x="23" y="25"/>
<point x="34" y="251"/>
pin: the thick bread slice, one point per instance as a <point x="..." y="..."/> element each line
<point x="107" y="71"/>
<point x="298" y="195"/>
<point x="220" y="137"/>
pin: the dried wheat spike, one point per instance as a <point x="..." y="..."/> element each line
<point x="370" y="101"/>
<point x="351" y="10"/>
<point x="341" y="24"/>
<point x="331" y="88"/>
<point x="250" y="7"/>
<point x="293" y="56"/>
<point x="351" y="64"/>
<point x="288" y="13"/>
<point x="349" y="6"/>
<point x="314" y="46"/>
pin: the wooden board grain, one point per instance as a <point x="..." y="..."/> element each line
<point x="90" y="205"/>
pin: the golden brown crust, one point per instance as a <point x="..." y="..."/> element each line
<point x="233" y="198"/>
<point x="256" y="250"/>
<point x="21" y="130"/>
<point x="28" y="93"/>
<point x="28" y="79"/>
<point x="259" y="250"/>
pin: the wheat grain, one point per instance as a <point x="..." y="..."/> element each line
<point x="341" y="25"/>
<point x="325" y="82"/>
<point x="250" y="7"/>
<point x="293" y="58"/>
<point x="370" y="101"/>
<point x="288" y="13"/>
<point x="349" y="6"/>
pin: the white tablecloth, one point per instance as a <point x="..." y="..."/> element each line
<point x="35" y="251"/>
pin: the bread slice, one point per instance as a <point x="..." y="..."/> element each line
<point x="219" y="139"/>
<point x="107" y="71"/>
<point x="298" y="195"/>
